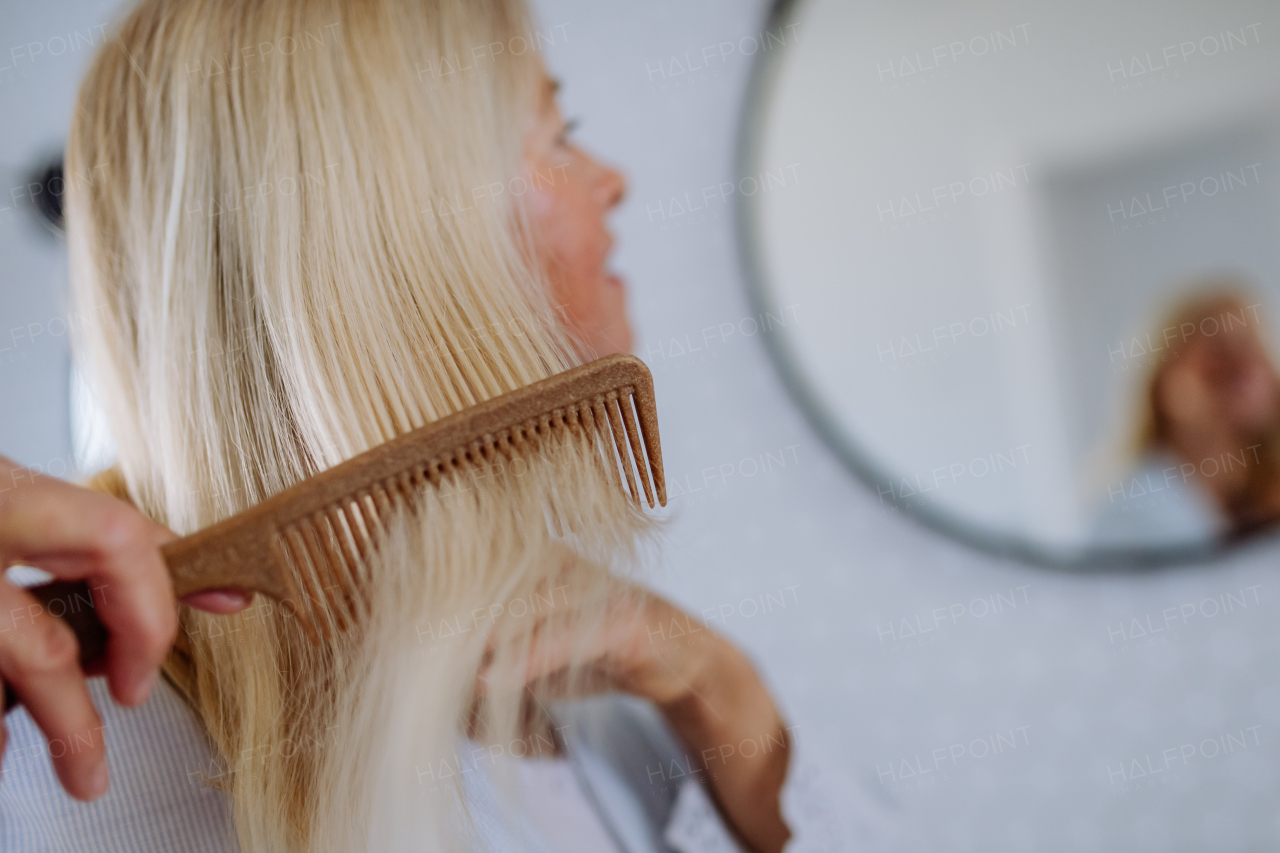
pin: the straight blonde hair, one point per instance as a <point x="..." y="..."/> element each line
<point x="276" y="269"/>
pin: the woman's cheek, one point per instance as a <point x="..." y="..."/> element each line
<point x="541" y="206"/>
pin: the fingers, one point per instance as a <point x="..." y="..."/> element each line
<point x="552" y="646"/>
<point x="134" y="597"/>
<point x="554" y="650"/>
<point x="219" y="601"/>
<point x="618" y="644"/>
<point x="593" y="639"/>
<point x="79" y="534"/>
<point x="38" y="658"/>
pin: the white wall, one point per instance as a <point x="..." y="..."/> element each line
<point x="1091" y="699"/>
<point x="1055" y="669"/>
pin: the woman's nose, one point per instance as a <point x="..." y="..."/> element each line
<point x="612" y="187"/>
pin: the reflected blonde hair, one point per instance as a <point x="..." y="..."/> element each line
<point x="274" y="276"/>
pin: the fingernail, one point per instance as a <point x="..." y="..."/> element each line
<point x="143" y="690"/>
<point x="98" y="781"/>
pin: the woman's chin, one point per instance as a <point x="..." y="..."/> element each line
<point x="617" y="332"/>
<point x="612" y="339"/>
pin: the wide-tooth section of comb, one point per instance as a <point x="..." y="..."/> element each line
<point x="310" y="545"/>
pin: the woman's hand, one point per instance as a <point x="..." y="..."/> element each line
<point x="78" y="534"/>
<point x="708" y="692"/>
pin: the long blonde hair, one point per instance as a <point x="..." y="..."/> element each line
<point x="274" y="270"/>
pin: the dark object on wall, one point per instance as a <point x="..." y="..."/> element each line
<point x="46" y="194"/>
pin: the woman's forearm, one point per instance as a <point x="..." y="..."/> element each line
<point x="730" y="724"/>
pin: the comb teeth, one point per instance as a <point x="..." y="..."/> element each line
<point x="309" y="546"/>
<point x="328" y="554"/>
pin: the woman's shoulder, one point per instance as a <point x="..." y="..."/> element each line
<point x="1157" y="504"/>
<point x="161" y="796"/>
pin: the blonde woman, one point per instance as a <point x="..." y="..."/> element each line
<point x="1204" y="454"/>
<point x="302" y="238"/>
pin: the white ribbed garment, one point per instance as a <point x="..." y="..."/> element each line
<point x="155" y="803"/>
<point x="621" y="753"/>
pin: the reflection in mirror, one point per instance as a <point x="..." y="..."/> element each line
<point x="1205" y="428"/>
<point x="1035" y="248"/>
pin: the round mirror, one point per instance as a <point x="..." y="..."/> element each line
<point x="1032" y="253"/>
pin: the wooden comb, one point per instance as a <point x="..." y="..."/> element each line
<point x="307" y="546"/>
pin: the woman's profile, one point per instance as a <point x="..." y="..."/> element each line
<point x="297" y="246"/>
